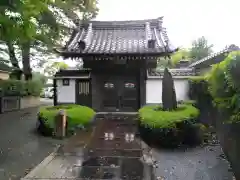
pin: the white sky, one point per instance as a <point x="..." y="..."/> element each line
<point x="185" y="20"/>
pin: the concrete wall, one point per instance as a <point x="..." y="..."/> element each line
<point x="66" y="94"/>
<point x="154" y="90"/>
<point x="27" y="102"/>
<point x="4" y="75"/>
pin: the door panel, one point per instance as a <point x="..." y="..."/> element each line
<point x="129" y="95"/>
<point x="110" y="100"/>
<point x="83" y="93"/>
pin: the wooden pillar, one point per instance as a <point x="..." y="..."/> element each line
<point x="60" y="124"/>
<point x="54" y="92"/>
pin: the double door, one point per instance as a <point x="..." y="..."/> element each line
<point x="120" y="93"/>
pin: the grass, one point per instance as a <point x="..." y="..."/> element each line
<point x="77" y="114"/>
<point x="155" y="117"/>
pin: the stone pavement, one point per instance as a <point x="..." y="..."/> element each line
<point x="103" y="152"/>
<point x="21" y="148"/>
<point x="94" y="154"/>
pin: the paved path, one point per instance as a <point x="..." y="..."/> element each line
<point x="20" y="147"/>
<point x="92" y="154"/>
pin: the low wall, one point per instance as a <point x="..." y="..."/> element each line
<point x="30" y="101"/>
<point x="13" y="103"/>
<point x="228" y="135"/>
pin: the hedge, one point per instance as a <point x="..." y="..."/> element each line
<point x="154" y="117"/>
<point x="20" y="88"/>
<point x="76" y="115"/>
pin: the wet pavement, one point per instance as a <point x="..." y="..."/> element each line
<point x="111" y="150"/>
<point x="21" y="149"/>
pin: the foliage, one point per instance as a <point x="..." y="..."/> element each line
<point x="200" y="49"/>
<point x="39" y="25"/>
<point x="224" y="85"/>
<point x="169" y="100"/>
<point x="21" y="88"/>
<point x="76" y="115"/>
<point x="159" y="118"/>
<point x="37" y="76"/>
<point x="53" y="67"/>
<point x="198" y="88"/>
<point x="179" y="55"/>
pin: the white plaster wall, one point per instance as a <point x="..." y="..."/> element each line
<point x="66" y="94"/>
<point x="154" y="90"/>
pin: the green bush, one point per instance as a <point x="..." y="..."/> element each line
<point x="155" y="117"/>
<point x="76" y="115"/>
<point x="198" y="86"/>
<point x="224" y="85"/>
<point x="20" y="88"/>
<point x="199" y="92"/>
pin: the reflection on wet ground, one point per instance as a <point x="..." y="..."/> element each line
<point x="114" y="152"/>
<point x="111" y="150"/>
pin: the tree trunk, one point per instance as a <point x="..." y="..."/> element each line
<point x="26" y="61"/>
<point x="17" y="72"/>
<point x="12" y="55"/>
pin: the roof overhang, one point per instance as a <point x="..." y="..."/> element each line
<point x="143" y="55"/>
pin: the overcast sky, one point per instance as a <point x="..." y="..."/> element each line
<point x="185" y="20"/>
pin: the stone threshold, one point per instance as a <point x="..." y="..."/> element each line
<point x="116" y="113"/>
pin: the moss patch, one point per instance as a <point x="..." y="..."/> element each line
<point x="76" y="115"/>
<point x="155" y="117"/>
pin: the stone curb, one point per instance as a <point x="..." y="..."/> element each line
<point x="42" y="164"/>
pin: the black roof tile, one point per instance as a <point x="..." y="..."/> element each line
<point x="120" y="37"/>
<point x="5" y="67"/>
<point x="213" y="58"/>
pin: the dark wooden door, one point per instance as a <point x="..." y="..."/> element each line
<point x="129" y="94"/>
<point x="121" y="93"/>
<point x="83" y="92"/>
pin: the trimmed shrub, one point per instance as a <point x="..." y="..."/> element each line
<point x="170" y="128"/>
<point x="76" y="116"/>
<point x="154" y="117"/>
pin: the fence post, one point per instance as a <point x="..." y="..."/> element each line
<point x="60" y="124"/>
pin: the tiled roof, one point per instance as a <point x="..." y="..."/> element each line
<point x="120" y="37"/>
<point x="174" y="72"/>
<point x="5" y="67"/>
<point x="214" y="55"/>
<point x="71" y="72"/>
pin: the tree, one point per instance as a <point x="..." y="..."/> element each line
<point x="200" y="49"/>
<point x="37" y="76"/>
<point x="179" y="55"/>
<point x="38" y="24"/>
<point x="53" y="67"/>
